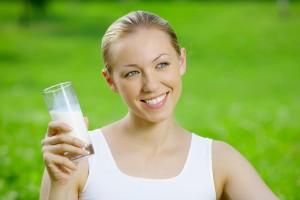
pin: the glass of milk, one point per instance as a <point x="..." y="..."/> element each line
<point x="63" y="106"/>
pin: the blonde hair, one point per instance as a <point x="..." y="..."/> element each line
<point x="130" y="23"/>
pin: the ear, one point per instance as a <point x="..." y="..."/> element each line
<point x="109" y="80"/>
<point x="182" y="61"/>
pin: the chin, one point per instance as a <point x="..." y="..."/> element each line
<point x="156" y="117"/>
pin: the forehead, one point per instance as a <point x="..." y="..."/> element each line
<point x="141" y="46"/>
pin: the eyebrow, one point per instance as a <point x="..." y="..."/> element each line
<point x="160" y="55"/>
<point x="135" y="65"/>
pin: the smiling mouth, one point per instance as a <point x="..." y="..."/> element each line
<point x="156" y="102"/>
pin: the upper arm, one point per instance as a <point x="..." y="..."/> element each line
<point x="239" y="178"/>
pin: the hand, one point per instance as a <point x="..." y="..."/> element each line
<point x="57" y="149"/>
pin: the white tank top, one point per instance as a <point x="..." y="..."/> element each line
<point x="107" y="182"/>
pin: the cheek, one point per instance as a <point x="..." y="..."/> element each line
<point x="173" y="79"/>
<point x="128" y="91"/>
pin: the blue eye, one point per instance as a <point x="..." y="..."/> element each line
<point x="132" y="73"/>
<point x="162" y="65"/>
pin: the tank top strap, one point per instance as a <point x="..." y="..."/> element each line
<point x="102" y="151"/>
<point x="199" y="164"/>
<point x="101" y="160"/>
<point x="200" y="154"/>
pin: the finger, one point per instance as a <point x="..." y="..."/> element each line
<point x="58" y="139"/>
<point x="65" y="148"/>
<point x="65" y="170"/>
<point x="57" y="174"/>
<point x="86" y="120"/>
<point x="57" y="127"/>
<point x="51" y="159"/>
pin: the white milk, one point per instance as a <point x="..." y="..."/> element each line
<point x="76" y="121"/>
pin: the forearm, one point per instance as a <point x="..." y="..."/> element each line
<point x="55" y="191"/>
<point x="60" y="192"/>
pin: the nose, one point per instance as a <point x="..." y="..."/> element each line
<point x="150" y="82"/>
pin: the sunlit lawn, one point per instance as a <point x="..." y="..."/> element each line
<point x="242" y="84"/>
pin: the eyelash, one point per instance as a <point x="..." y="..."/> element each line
<point x="165" y="64"/>
<point x="159" y="66"/>
<point x="130" y="74"/>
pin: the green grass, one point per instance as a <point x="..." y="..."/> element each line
<point x="242" y="84"/>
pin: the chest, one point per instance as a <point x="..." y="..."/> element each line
<point x="136" y="160"/>
<point x="137" y="163"/>
<point x="119" y="176"/>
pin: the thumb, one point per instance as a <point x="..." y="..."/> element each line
<point x="86" y="120"/>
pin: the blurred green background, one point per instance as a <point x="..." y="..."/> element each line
<point x="242" y="84"/>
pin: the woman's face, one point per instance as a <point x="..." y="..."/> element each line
<point x="146" y="72"/>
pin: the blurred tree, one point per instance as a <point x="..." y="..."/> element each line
<point x="283" y="7"/>
<point x="33" y="9"/>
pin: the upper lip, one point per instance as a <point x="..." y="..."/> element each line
<point x="150" y="98"/>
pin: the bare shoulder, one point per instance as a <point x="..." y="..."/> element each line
<point x="225" y="155"/>
<point x="235" y="177"/>
<point x="221" y="148"/>
<point x="111" y="126"/>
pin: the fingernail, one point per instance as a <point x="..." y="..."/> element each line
<point x="84" y="151"/>
<point x="80" y="143"/>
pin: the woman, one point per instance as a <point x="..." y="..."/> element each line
<point x="146" y="154"/>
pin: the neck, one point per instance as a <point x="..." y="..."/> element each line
<point x="150" y="133"/>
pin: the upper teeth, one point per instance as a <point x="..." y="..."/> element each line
<point x="156" y="100"/>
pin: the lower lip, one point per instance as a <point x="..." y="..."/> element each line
<point x="158" y="105"/>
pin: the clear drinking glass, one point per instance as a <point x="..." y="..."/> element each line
<point x="63" y="105"/>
